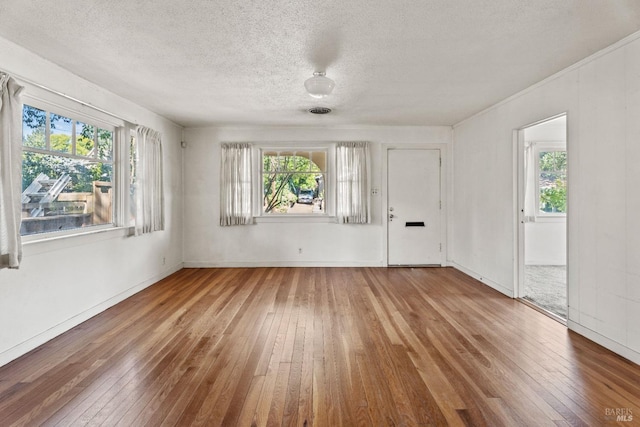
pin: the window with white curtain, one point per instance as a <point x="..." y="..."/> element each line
<point x="84" y="169"/>
<point x="297" y="182"/>
<point x="235" y="184"/>
<point x="352" y="183"/>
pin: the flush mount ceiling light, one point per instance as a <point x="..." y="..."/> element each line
<point x="319" y="85"/>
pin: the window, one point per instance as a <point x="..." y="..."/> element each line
<point x="294" y="182"/>
<point x="67" y="171"/>
<point x="551" y="181"/>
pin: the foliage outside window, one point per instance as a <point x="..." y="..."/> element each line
<point x="293" y="182"/>
<point x="67" y="172"/>
<point x="552" y="182"/>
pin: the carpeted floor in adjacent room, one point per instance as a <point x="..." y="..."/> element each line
<point x="546" y="287"/>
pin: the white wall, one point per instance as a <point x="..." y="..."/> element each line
<point x="545" y="243"/>
<point x="602" y="98"/>
<point x="62" y="283"/>
<point x="207" y="244"/>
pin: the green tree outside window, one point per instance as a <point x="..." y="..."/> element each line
<point x="284" y="176"/>
<point x="553" y="181"/>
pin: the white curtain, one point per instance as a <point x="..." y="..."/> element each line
<point x="10" y="172"/>
<point x="235" y="184"/>
<point x="149" y="197"/>
<point x="352" y="183"/>
<point x="529" y="182"/>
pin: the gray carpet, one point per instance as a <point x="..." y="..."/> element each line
<point x="546" y="287"/>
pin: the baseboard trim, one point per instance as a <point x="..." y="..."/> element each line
<point x="483" y="279"/>
<point x="607" y="343"/>
<point x="36" y="341"/>
<point x="255" y="264"/>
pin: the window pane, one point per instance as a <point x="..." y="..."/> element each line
<point x="34" y="122"/>
<point x="269" y="162"/>
<point x="85" y="137"/>
<point x="61" y="131"/>
<point x="286" y="162"/>
<point x="293" y="183"/>
<point x="105" y="144"/>
<point x="61" y="193"/>
<point x="293" y="193"/>
<point x="553" y="181"/>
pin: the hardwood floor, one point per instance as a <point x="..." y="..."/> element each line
<point x="322" y="347"/>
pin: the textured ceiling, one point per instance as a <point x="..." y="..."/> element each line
<point x="242" y="62"/>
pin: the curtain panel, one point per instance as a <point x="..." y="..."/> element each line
<point x="352" y="183"/>
<point x="235" y="184"/>
<point x="149" y="196"/>
<point x="10" y="172"/>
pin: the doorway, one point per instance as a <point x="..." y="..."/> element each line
<point x="542" y="178"/>
<point x="413" y="204"/>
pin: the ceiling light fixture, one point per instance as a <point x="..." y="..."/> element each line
<point x="319" y="85"/>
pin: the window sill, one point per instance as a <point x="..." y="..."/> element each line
<point x="551" y="218"/>
<point x="48" y="242"/>
<point x="295" y="219"/>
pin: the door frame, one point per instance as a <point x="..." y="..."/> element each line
<point x="444" y="192"/>
<point x="518" y="203"/>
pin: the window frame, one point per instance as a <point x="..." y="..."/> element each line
<point x="51" y="102"/>
<point x="543" y="147"/>
<point x="329" y="209"/>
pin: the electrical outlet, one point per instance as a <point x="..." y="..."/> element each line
<point x="164" y="261"/>
<point x="299" y="250"/>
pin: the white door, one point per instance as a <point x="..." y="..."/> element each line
<point x="413" y="183"/>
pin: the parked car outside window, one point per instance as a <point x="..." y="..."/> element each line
<point x="305" y="197"/>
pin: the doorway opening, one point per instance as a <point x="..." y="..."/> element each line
<point x="542" y="179"/>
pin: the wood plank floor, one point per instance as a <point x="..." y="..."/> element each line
<point x="322" y="347"/>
